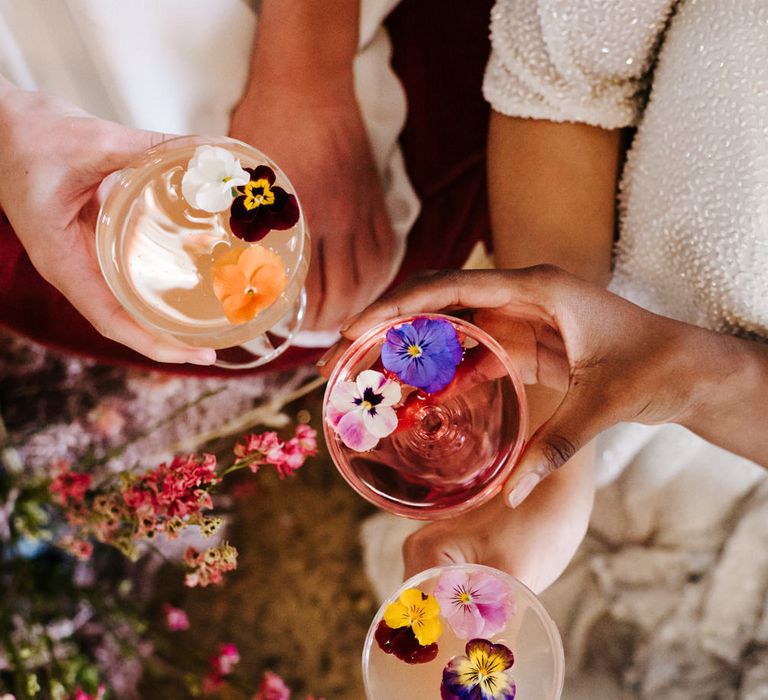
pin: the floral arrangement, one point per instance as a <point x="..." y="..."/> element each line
<point x="166" y="500"/>
<point x="61" y="622"/>
<point x="476" y="607"/>
<point x="418" y="361"/>
<point x="245" y="280"/>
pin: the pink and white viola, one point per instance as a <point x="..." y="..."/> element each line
<point x="361" y="412"/>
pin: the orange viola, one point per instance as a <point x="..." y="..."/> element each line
<point x="248" y="282"/>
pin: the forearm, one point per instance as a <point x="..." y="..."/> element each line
<point x="552" y="191"/>
<point x="306" y="44"/>
<point x="728" y="380"/>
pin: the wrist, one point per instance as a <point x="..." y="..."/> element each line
<point x="726" y="373"/>
<point x="306" y="43"/>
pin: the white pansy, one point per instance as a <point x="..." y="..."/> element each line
<point x="364" y="409"/>
<point x="210" y="177"/>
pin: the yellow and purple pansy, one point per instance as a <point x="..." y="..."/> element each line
<point x="411" y="627"/>
<point x="484" y="673"/>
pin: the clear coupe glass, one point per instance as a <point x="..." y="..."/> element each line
<point x="497" y="640"/>
<point x="162" y="256"/>
<point x="452" y="448"/>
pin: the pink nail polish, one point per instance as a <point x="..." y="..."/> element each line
<point x="522" y="489"/>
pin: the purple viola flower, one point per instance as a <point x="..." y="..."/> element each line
<point x="424" y="353"/>
<point x="483" y="674"/>
<point x="261" y="207"/>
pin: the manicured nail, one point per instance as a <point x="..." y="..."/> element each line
<point x="522" y="489"/>
<point x="348" y="323"/>
<point x="204" y="357"/>
<point x="323" y="361"/>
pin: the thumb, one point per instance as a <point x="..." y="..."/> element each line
<point x="431" y="546"/>
<point x="125" y="144"/>
<point x="577" y="420"/>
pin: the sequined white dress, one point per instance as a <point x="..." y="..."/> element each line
<point x="667" y="598"/>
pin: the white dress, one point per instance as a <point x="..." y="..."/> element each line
<point x="667" y="598"/>
<point x="180" y="67"/>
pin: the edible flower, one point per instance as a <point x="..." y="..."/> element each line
<point x="417" y="610"/>
<point x="424" y="353"/>
<point x="475" y="605"/>
<point x="403" y="644"/>
<point x="483" y="674"/>
<point x="261" y="207"/>
<point x="361" y="411"/>
<point x="211" y="178"/>
<point x="248" y="282"/>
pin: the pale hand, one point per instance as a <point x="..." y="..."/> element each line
<point x="55" y="159"/>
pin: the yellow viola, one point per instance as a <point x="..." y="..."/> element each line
<point x="419" y="611"/>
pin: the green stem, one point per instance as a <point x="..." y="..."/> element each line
<point x="236" y="467"/>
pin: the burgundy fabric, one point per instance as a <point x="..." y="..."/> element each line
<point x="439" y="52"/>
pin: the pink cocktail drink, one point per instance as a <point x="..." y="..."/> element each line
<point x="452" y="441"/>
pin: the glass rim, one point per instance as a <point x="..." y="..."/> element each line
<point x="494" y="485"/>
<point x="113" y="277"/>
<point x="553" y="633"/>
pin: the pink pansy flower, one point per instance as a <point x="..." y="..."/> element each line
<point x="363" y="410"/>
<point x="272" y="688"/>
<point x="176" y="619"/>
<point x="475" y="605"/>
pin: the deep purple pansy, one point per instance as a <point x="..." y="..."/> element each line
<point x="261" y="207"/>
<point x="424" y="353"/>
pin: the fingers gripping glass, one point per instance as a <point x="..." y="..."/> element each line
<point x="203" y="239"/>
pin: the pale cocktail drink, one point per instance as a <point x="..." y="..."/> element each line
<point x="163" y="255"/>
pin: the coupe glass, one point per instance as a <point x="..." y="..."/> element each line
<point x="529" y="633"/>
<point x="158" y="255"/>
<point x="452" y="450"/>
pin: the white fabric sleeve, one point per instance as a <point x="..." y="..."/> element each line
<point x="582" y="61"/>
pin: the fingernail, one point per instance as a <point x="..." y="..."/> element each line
<point x="323" y="361"/>
<point x="522" y="489"/>
<point x="348" y="323"/>
<point x="204" y="357"/>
